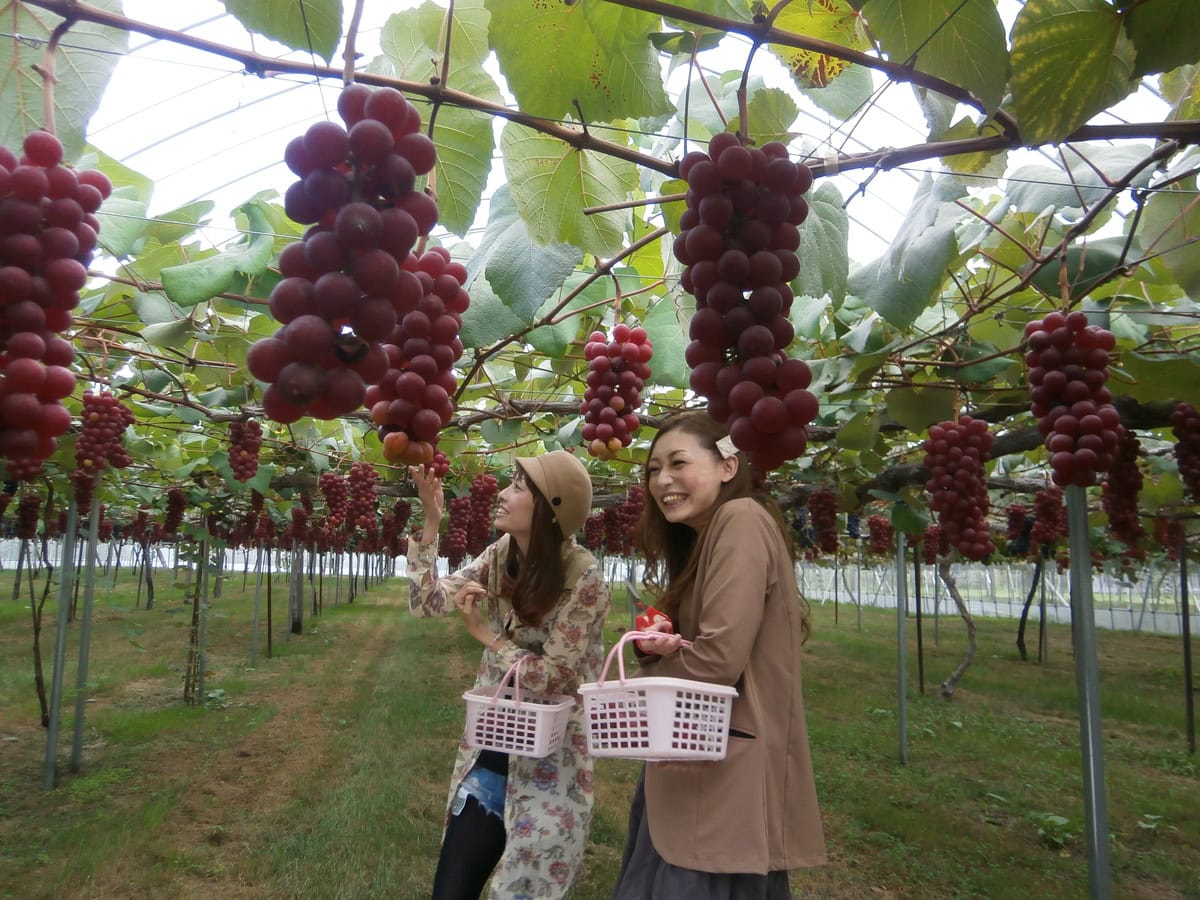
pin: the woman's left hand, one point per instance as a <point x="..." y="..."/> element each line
<point x="468" y="600"/>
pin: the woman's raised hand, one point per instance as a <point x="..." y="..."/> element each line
<point x="429" y="491"/>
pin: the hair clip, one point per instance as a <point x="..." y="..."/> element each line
<point x="725" y="447"/>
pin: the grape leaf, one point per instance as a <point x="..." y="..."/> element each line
<point x="1182" y="88"/>
<point x="831" y="20"/>
<point x="666" y="323"/>
<point x="916" y="408"/>
<point x="596" y="54"/>
<point x="122" y="221"/>
<point x="824" y="246"/>
<point x="1171" y="225"/>
<point x="202" y="280"/>
<point x="554" y="340"/>
<point x="521" y="271"/>
<point x="1163" y="42"/>
<point x="770" y="113"/>
<point x="84" y="62"/>
<point x="552" y="183"/>
<point x="960" y="42"/>
<point x="488" y="320"/>
<point x="846" y="94"/>
<point x="1085" y="181"/>
<point x="1070" y="59"/>
<point x="312" y="26"/>
<point x="413" y="47"/>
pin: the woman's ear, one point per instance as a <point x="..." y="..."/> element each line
<point x="729" y="468"/>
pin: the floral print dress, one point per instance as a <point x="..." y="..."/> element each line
<point x="548" y="801"/>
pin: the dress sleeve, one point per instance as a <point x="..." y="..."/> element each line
<point x="741" y="548"/>
<point x="576" y="626"/>
<point x="429" y="595"/>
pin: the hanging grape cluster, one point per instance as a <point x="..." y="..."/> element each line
<point x="336" y="491"/>
<point x="245" y="441"/>
<point x="1068" y="366"/>
<point x="360" y="507"/>
<point x="458" y="525"/>
<point x="342" y="292"/>
<point x="1018" y="529"/>
<point x="413" y="399"/>
<point x="176" y="505"/>
<point x="27" y="515"/>
<point x="1049" y="521"/>
<point x="1185" y="422"/>
<point x="933" y="545"/>
<point x="881" y="536"/>
<point x="102" y="423"/>
<point x="955" y="455"/>
<point x="618" y="368"/>
<point x="1119" y="494"/>
<point x="48" y="230"/>
<point x="1168" y="533"/>
<point x="822" y="507"/>
<point x="483" y="498"/>
<point x="738" y="245"/>
<point x="593" y="532"/>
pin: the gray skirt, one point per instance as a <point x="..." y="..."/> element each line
<point x="647" y="876"/>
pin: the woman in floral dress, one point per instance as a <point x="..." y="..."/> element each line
<point x="534" y="593"/>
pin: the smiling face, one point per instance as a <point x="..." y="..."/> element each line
<point x="514" y="510"/>
<point x="684" y="478"/>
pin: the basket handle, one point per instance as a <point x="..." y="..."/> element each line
<point x="513" y="673"/>
<point x="620" y="645"/>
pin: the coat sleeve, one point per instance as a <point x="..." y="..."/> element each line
<point x="576" y="623"/>
<point x="737" y="565"/>
<point x="429" y="595"/>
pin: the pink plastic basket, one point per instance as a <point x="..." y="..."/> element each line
<point x="504" y="720"/>
<point x="655" y="718"/>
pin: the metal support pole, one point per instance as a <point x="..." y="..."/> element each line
<point x="50" y="763"/>
<point x="1187" y="642"/>
<point x="1087" y="679"/>
<point x="901" y="648"/>
<point x="85" y="628"/>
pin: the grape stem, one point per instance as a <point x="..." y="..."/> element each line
<point x="349" y="54"/>
<point x="46" y="70"/>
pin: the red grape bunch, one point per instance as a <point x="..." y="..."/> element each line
<point x="1018" y="529"/>
<point x="1119" y="494"/>
<point x="1049" y="521"/>
<point x="1068" y="366"/>
<point x="738" y="245"/>
<point x="955" y="455"/>
<point x="360" y="511"/>
<point x="176" y="505"/>
<point x="1168" y="533"/>
<point x="593" y="532"/>
<point x="28" y="508"/>
<point x="881" y="536"/>
<point x="412" y="400"/>
<point x="245" y="440"/>
<point x="483" y="497"/>
<point x="104" y="420"/>
<point x="336" y="491"/>
<point x="933" y="545"/>
<point x="342" y="292"/>
<point x="1185" y="423"/>
<point x="822" y="508"/>
<point x="48" y="229"/>
<point x="617" y="372"/>
<point x="454" y="548"/>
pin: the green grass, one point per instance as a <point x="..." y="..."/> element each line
<point x="989" y="804"/>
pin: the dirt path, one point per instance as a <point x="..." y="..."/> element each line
<point x="212" y="842"/>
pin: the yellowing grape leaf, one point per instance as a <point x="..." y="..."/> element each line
<point x="835" y="21"/>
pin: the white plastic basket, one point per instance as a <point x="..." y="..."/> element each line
<point x="504" y="720"/>
<point x="655" y="718"/>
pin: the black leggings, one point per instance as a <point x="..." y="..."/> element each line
<point x="473" y="845"/>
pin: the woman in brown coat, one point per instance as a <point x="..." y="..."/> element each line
<point x="720" y="558"/>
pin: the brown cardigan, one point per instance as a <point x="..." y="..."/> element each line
<point x="756" y="810"/>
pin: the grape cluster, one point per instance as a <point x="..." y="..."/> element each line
<point x="48" y="230"/>
<point x="881" y="537"/>
<point x="1168" y="533"/>
<point x="342" y="292"/>
<point x="822" y="506"/>
<point x="401" y="513"/>
<point x="1119" y="494"/>
<point x="593" y="532"/>
<point x="483" y="497"/>
<point x="738" y="245"/>
<point x="1068" y="366"/>
<point x="454" y="548"/>
<point x="853" y="526"/>
<point x="932" y="548"/>
<point x="176" y="505"/>
<point x="1018" y="529"/>
<point x="336" y="491"/>
<point x="1185" y="422"/>
<point x="360" y="509"/>
<point x="27" y="515"/>
<point x="245" y="440"/>
<point x="617" y="373"/>
<point x="103" y="421"/>
<point x="802" y="532"/>
<point x="1049" y="520"/>
<point x="955" y="455"/>
<point x="631" y="513"/>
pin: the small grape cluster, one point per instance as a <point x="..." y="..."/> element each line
<point x="738" y="242"/>
<point x="342" y="293"/>
<point x="483" y="497"/>
<point x="630" y="512"/>
<point x="414" y="398"/>
<point x="802" y="532"/>
<point x="176" y="505"/>
<point x="360" y="510"/>
<point x="618" y="368"/>
<point x="955" y="455"/>
<point x="614" y="530"/>
<point x="336" y="491"/>
<point x="853" y="526"/>
<point x="454" y="548"/>
<point x="104" y="420"/>
<point x="822" y="506"/>
<point x="881" y="536"/>
<point x="1168" y="533"/>
<point x="593" y="532"/>
<point x="401" y="513"/>
<point x="297" y="530"/>
<point x="933" y="545"/>
<point x="48" y="230"/>
<point x="1049" y="520"/>
<point x="1119" y="494"/>
<point x="245" y="441"/>
<point x="1018" y="529"/>
<point x="28" y="508"/>
<point x="1068" y="366"/>
<point x="1185" y="426"/>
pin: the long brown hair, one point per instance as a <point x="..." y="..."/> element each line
<point x="672" y="549"/>
<point x="540" y="575"/>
